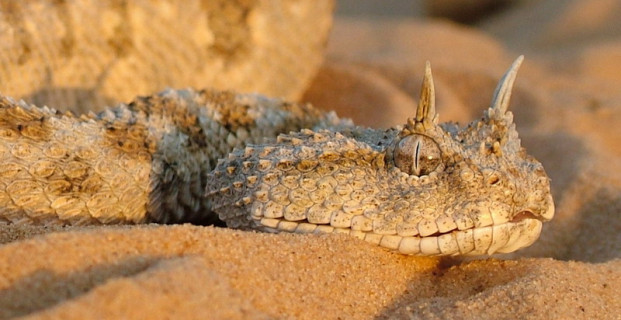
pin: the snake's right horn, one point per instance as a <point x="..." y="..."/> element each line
<point x="502" y="94"/>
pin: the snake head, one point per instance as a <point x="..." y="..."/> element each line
<point x="423" y="188"/>
<point x="488" y="194"/>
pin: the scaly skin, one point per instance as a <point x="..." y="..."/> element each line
<point x="423" y="188"/>
<point x="142" y="162"/>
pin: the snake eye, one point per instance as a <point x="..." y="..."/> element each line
<point x="417" y="155"/>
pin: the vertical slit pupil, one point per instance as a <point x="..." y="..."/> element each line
<point x="417" y="152"/>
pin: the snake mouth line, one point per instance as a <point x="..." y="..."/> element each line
<point x="506" y="237"/>
<point x="525" y="215"/>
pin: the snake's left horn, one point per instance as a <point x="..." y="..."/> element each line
<point x="426" y="110"/>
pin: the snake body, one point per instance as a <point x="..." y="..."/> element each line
<point x="253" y="162"/>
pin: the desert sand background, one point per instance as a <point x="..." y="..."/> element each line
<point x="567" y="106"/>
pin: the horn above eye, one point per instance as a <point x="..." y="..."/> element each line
<point x="426" y="110"/>
<point x="417" y="155"/>
<point x="502" y="94"/>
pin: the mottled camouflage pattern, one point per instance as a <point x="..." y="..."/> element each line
<point x="422" y="188"/>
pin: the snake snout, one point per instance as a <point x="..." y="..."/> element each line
<point x="549" y="212"/>
<point x="545" y="214"/>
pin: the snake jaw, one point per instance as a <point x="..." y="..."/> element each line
<point x="502" y="238"/>
<point x="492" y="229"/>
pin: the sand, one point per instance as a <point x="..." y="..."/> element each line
<point x="567" y="106"/>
